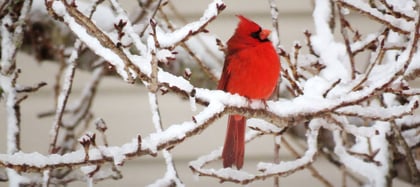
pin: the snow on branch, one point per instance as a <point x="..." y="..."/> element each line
<point x="84" y="28"/>
<point x="267" y="169"/>
<point x="393" y="22"/>
<point x="368" y="107"/>
<point x="179" y="35"/>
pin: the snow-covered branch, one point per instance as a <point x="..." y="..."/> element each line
<point x="368" y="107"/>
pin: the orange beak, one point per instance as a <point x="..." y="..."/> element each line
<point x="264" y="34"/>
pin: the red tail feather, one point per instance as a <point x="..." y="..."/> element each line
<point x="234" y="148"/>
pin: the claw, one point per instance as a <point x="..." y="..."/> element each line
<point x="265" y="104"/>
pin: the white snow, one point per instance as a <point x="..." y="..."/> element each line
<point x="12" y="129"/>
<point x="396" y="22"/>
<point x="332" y="54"/>
<point x="405" y="7"/>
<point x="164" y="55"/>
<point x="154" y="108"/>
<point x="170" y="175"/>
<point x="373" y="111"/>
<point x="7" y="40"/>
<point x="91" y="41"/>
<point x="88" y="169"/>
<point x="193" y="104"/>
<point x="65" y="90"/>
<point x="340" y="100"/>
<point x="128" y="29"/>
<point x="169" y="39"/>
<point x="263" y="125"/>
<point x="315" y="87"/>
<point x="415" y="63"/>
<point x="359" y="44"/>
<point x="59" y="8"/>
<point x="15" y="179"/>
<point x="205" y="48"/>
<point x="375" y="174"/>
<point x="45" y="178"/>
<point x="285" y="166"/>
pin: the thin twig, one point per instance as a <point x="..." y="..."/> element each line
<point x="103" y="38"/>
<point x="277" y="146"/>
<point x="202" y="65"/>
<point x="63" y="97"/>
<point x="367" y="12"/>
<point x="330" y="157"/>
<point x="343" y="25"/>
<point x="311" y="168"/>
<point x="379" y="58"/>
<point x="395" y="13"/>
<point x="309" y="42"/>
<point x="145" y="12"/>
<point x="274" y="11"/>
<point x="414" y="173"/>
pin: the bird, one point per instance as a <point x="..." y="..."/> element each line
<point x="251" y="69"/>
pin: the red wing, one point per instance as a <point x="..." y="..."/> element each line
<point x="223" y="82"/>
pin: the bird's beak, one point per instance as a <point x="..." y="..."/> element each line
<point x="264" y="34"/>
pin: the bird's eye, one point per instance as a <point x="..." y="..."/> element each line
<point x="256" y="34"/>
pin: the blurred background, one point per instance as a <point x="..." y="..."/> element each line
<point x="125" y="107"/>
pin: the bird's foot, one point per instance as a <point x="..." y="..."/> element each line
<point x="264" y="103"/>
<point x="251" y="103"/>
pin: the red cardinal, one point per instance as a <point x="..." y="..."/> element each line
<point x="251" y="69"/>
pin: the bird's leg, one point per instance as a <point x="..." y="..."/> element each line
<point x="248" y="102"/>
<point x="265" y="104"/>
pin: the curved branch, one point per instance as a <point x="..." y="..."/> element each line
<point x="268" y="169"/>
<point x="396" y="24"/>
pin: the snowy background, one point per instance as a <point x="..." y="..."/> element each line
<point x="126" y="109"/>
